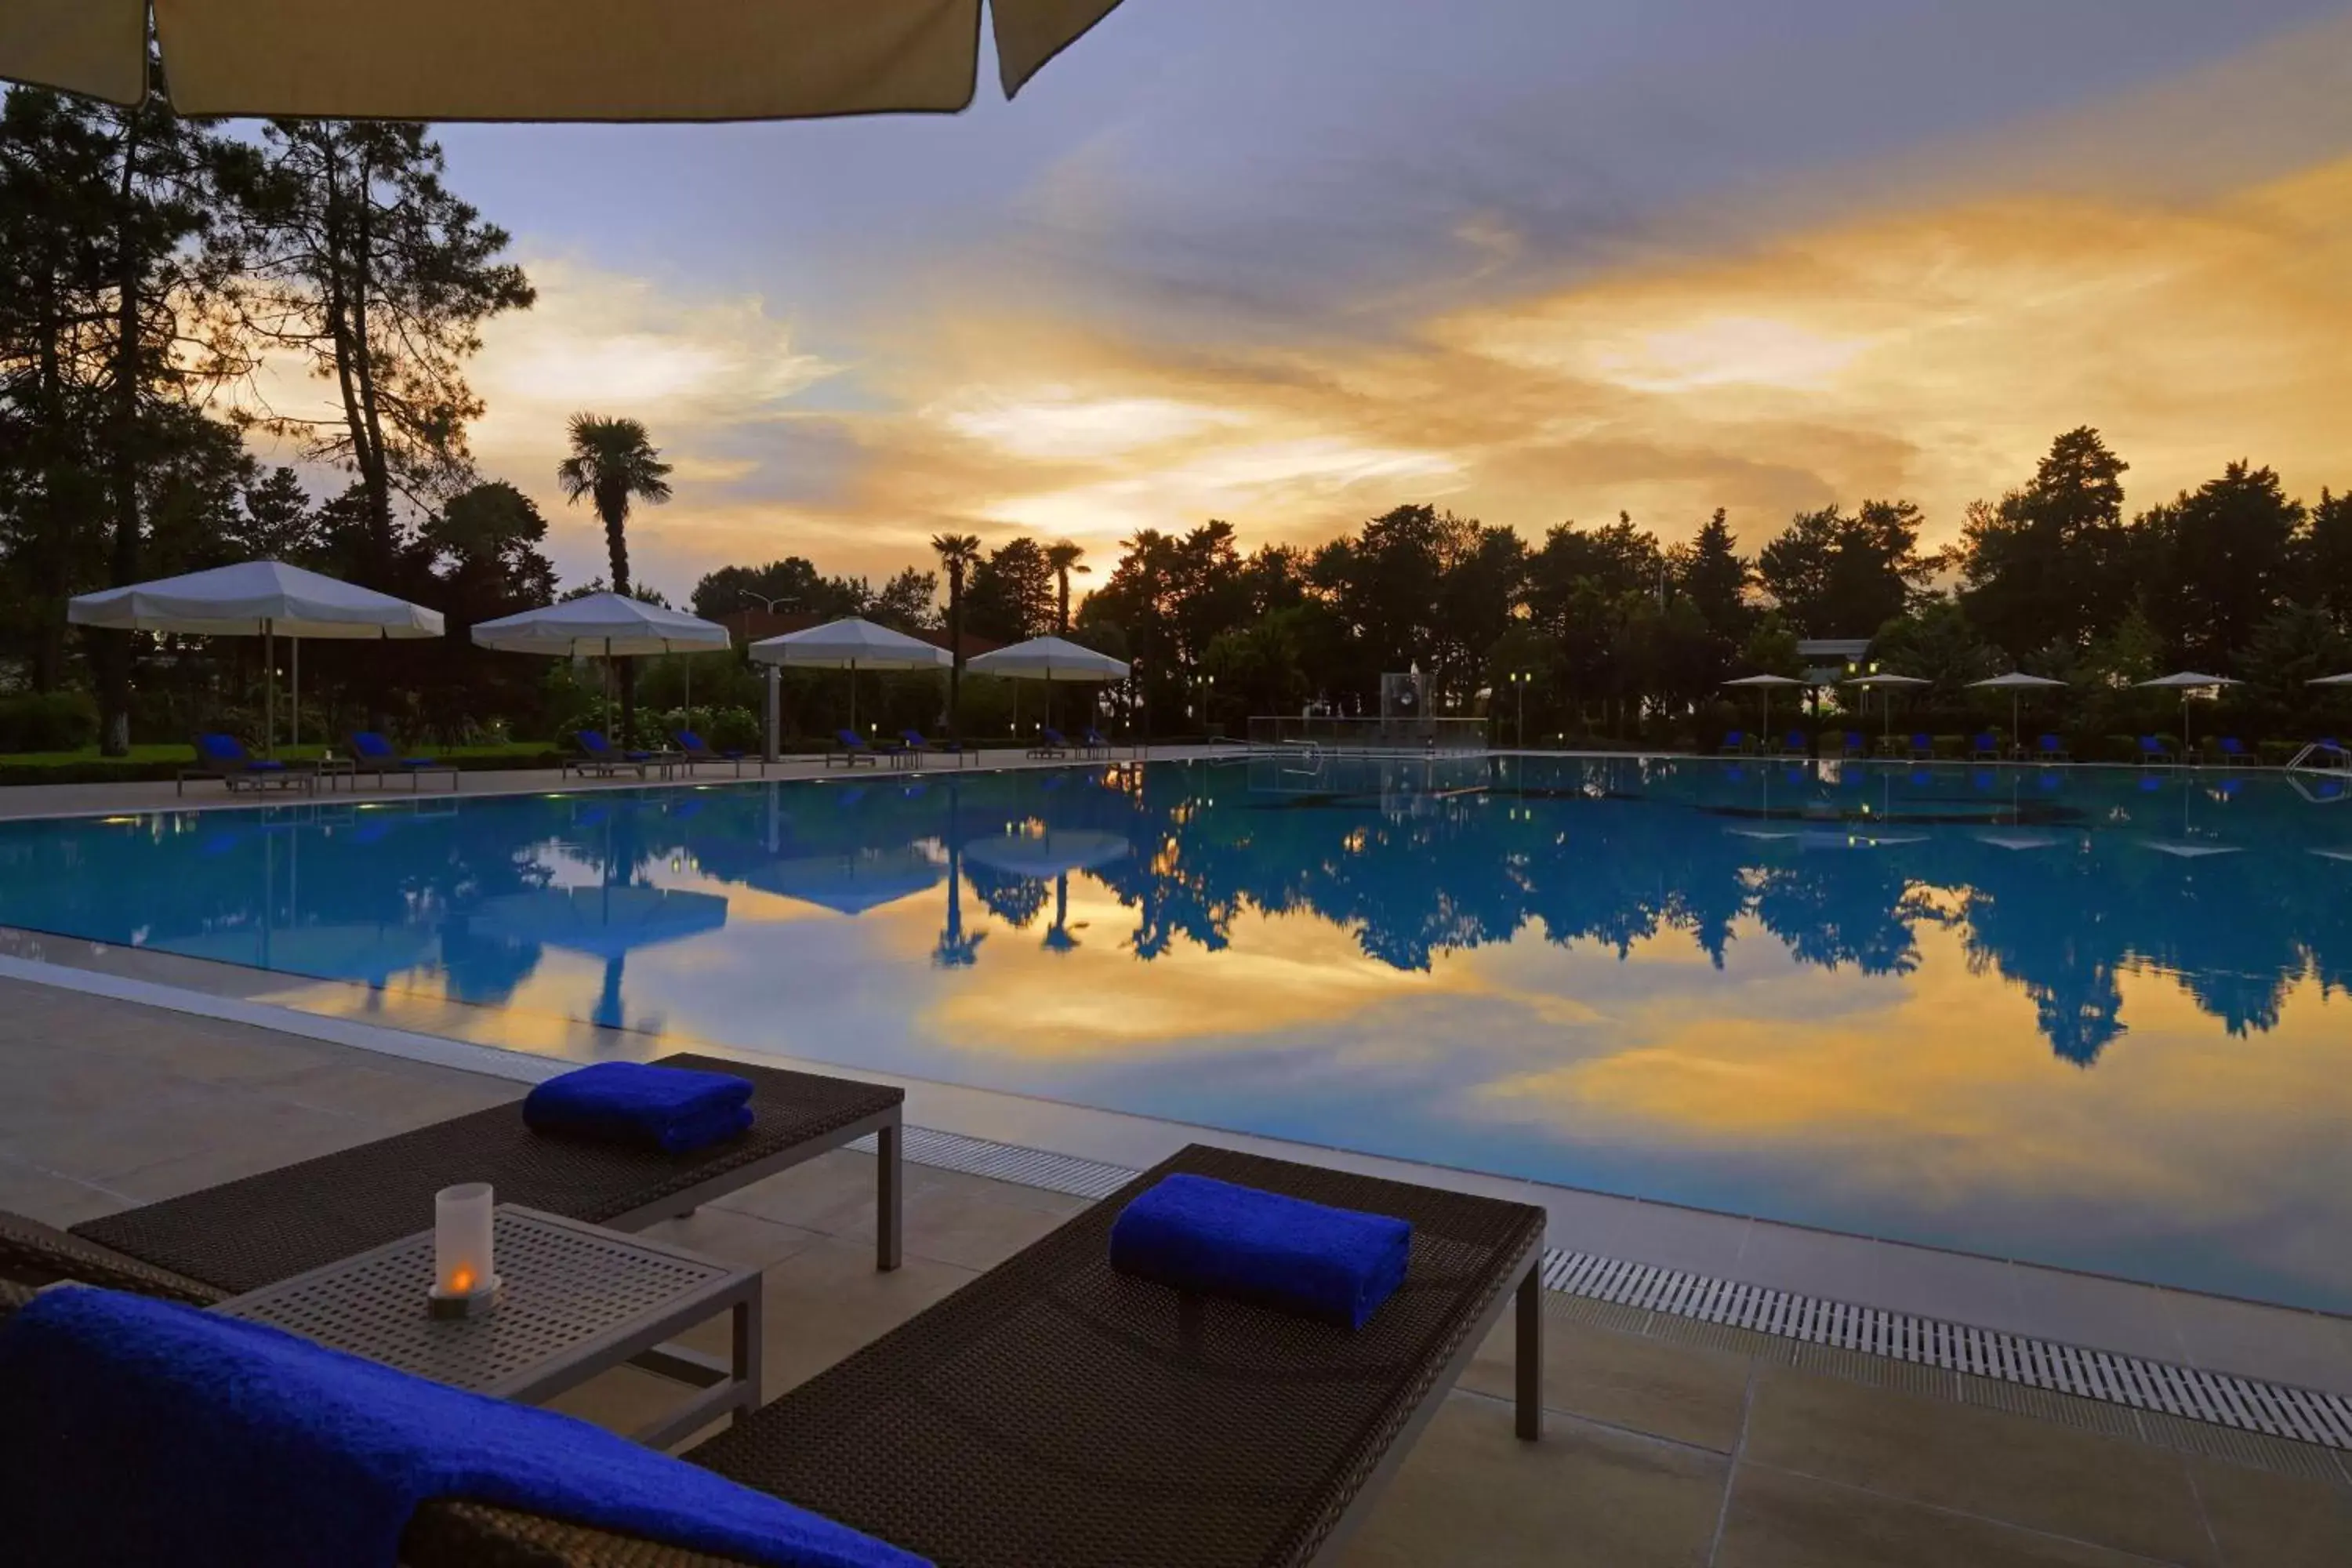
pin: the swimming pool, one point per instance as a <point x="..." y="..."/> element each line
<point x="2087" y="1017"/>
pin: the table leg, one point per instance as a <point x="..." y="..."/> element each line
<point x="1530" y="1353"/>
<point x="888" y="1188"/>
<point x="748" y="1312"/>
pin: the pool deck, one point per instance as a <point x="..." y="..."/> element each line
<point x="100" y="799"/>
<point x="1659" y="1450"/>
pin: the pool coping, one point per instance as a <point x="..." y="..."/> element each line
<point x="2164" y="1325"/>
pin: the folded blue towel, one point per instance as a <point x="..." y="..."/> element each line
<point x="134" y="1430"/>
<point x="1200" y="1234"/>
<point x="674" y="1109"/>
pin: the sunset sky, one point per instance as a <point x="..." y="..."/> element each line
<point x="1292" y="265"/>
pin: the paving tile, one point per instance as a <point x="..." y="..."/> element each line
<point x="1686" y="1392"/>
<point x="2010" y="1469"/>
<point x="1777" y="1519"/>
<point x="831" y="1193"/>
<point x="2307" y="1349"/>
<point x="1585" y="1497"/>
<point x="959" y="1219"/>
<point x="1660" y="1234"/>
<point x="265" y="1138"/>
<point x="397" y="1100"/>
<point x="1952" y="1286"/>
<point x="2104" y="1314"/>
<point x="1815" y="1262"/>
<point x="742" y="1239"/>
<point x="53" y="1199"/>
<point x="827" y="1299"/>
<point x="2266" y="1520"/>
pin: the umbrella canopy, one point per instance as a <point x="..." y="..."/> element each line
<point x="2016" y="681"/>
<point x="2344" y="680"/>
<point x="539" y="59"/>
<point x="603" y="922"/>
<point x="1766" y="682"/>
<point x="266" y="599"/>
<point x="851" y="644"/>
<point x="1048" y="659"/>
<point x="253" y="598"/>
<point x="2189" y="680"/>
<point x="1047" y="853"/>
<point x="1887" y="681"/>
<point x="609" y="625"/>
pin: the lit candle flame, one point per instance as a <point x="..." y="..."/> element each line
<point x="461" y="1280"/>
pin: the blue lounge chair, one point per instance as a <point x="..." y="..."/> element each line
<point x="1985" y="747"/>
<point x="694" y="751"/>
<point x="2230" y="749"/>
<point x="849" y="749"/>
<point x="598" y="757"/>
<point x="1851" y="745"/>
<point x="916" y="743"/>
<point x="2053" y="749"/>
<point x="1923" y="748"/>
<point x="1093" y="743"/>
<point x="2152" y="750"/>
<point x="372" y="754"/>
<point x="1050" y="743"/>
<point x="1795" y="744"/>
<point x="223" y="757"/>
<point x="1735" y="743"/>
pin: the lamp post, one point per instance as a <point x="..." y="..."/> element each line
<point x="1519" y="678"/>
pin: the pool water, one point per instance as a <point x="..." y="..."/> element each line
<point x="2087" y="1017"/>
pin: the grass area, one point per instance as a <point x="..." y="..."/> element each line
<point x="161" y="762"/>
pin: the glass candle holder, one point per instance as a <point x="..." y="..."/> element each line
<point x="465" y="1279"/>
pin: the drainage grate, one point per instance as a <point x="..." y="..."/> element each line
<point x="2217" y="1399"/>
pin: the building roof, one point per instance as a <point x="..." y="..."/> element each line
<point x="1832" y="648"/>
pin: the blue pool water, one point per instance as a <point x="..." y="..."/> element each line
<point x="2092" y="1017"/>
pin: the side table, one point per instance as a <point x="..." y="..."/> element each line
<point x="577" y="1300"/>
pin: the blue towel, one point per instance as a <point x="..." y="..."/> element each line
<point x="136" y="1431"/>
<point x="1200" y="1234"/>
<point x="674" y="1109"/>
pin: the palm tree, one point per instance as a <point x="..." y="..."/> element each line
<point x="1063" y="559"/>
<point x="958" y="554"/>
<point x="614" y="463"/>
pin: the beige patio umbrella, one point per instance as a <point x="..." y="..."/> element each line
<point x="539" y="59"/>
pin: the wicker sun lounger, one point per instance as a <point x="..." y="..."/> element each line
<point x="263" y="1228"/>
<point x="1055" y="1414"/>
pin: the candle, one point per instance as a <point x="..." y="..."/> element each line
<point x="461" y="1242"/>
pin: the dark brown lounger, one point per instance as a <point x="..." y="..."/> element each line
<point x="1055" y="1414"/>
<point x="246" y="1234"/>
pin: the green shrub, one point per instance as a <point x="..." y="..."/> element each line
<point x="48" y="722"/>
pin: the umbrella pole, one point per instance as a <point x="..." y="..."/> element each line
<point x="294" y="707"/>
<point x="853" y="697"/>
<point x="268" y="689"/>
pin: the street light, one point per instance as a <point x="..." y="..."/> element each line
<point x="1518" y="680"/>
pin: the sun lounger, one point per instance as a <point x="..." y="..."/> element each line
<point x="2152" y="750"/>
<point x="915" y="743"/>
<point x="2053" y="749"/>
<point x="849" y="749"/>
<point x="1055" y="1413"/>
<point x="263" y="1228"/>
<point x="1984" y="747"/>
<point x="597" y="756"/>
<point x="223" y="757"/>
<point x="372" y="754"/>
<point x="694" y="751"/>
<point x="1093" y="743"/>
<point x="1050" y="743"/>
<point x="2233" y="751"/>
